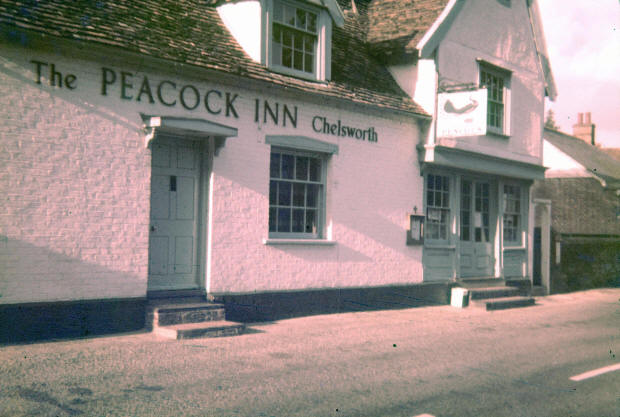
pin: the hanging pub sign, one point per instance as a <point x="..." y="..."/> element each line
<point x="462" y="113"/>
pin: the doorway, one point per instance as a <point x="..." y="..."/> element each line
<point x="174" y="238"/>
<point x="476" y="229"/>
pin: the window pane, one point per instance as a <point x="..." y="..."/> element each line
<point x="274" y="166"/>
<point x="311" y="221"/>
<point x="273" y="192"/>
<point x="308" y="44"/>
<point x="287" y="57"/>
<point x="298" y="60"/>
<point x="299" y="195"/>
<point x="276" y="54"/>
<point x="288" y="163"/>
<point x="315" y="169"/>
<point x="311" y="22"/>
<point x="313" y="195"/>
<point x="298" y="221"/>
<point x="289" y="15"/>
<point x="284" y="193"/>
<point x="301" y="168"/>
<point x="301" y="19"/>
<point x="309" y="63"/>
<point x="287" y="38"/>
<point x="272" y="219"/>
<point x="284" y="220"/>
<point x="298" y="42"/>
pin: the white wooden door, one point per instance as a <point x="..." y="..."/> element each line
<point x="175" y="180"/>
<point x="476" y="234"/>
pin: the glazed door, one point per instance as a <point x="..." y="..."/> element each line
<point x="476" y="234"/>
<point x="175" y="178"/>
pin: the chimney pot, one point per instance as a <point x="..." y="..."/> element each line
<point x="588" y="118"/>
<point x="579" y="118"/>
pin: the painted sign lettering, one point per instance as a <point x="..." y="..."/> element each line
<point x="130" y="86"/>
<point x="321" y="124"/>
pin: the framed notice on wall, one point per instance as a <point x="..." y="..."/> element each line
<point x="462" y="113"/>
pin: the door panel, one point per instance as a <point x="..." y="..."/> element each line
<point x="476" y="233"/>
<point x="175" y="179"/>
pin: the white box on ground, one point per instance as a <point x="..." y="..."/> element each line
<point x="459" y="297"/>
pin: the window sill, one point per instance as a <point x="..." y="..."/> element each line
<point x="497" y="134"/>
<point x="439" y="246"/>
<point x="309" y="242"/>
<point x="515" y="248"/>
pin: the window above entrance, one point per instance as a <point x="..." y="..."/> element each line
<point x="497" y="82"/>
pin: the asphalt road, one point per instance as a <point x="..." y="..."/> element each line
<point x="438" y="361"/>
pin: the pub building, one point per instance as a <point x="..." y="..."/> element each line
<point x="280" y="157"/>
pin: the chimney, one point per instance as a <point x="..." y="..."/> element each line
<point x="584" y="129"/>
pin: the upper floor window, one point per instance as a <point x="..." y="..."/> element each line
<point x="497" y="83"/>
<point x="298" y="38"/>
<point x="294" y="37"/>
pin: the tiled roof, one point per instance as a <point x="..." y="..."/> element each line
<point x="191" y="32"/>
<point x="580" y="206"/>
<point x="594" y="159"/>
<point x="614" y="152"/>
<point x="402" y="21"/>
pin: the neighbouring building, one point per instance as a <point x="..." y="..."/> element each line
<point x="582" y="183"/>
<point x="280" y="156"/>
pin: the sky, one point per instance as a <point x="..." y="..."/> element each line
<point x="583" y="41"/>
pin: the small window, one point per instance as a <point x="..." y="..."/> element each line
<point x="496" y="83"/>
<point x="298" y="40"/>
<point x="437" y="207"/>
<point x="296" y="194"/>
<point x="294" y="37"/>
<point x="512" y="214"/>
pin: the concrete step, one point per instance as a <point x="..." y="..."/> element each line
<point x="504" y="303"/>
<point x="481" y="282"/>
<point x="492" y="292"/>
<point x="190" y="313"/>
<point x="195" y="330"/>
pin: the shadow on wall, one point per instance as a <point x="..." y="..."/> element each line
<point x="37" y="320"/>
<point x="585" y="264"/>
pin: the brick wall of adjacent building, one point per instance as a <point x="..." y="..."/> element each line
<point x="584" y="263"/>
<point x="585" y="231"/>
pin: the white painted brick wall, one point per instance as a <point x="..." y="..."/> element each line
<point x="75" y="184"/>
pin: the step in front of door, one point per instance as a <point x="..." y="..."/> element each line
<point x="504" y="303"/>
<point x="492" y="292"/>
<point x="196" y="330"/>
<point x="189" y="313"/>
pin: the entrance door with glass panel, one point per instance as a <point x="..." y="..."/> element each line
<point x="476" y="230"/>
<point x="173" y="249"/>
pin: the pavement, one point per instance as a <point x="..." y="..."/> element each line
<point x="430" y="361"/>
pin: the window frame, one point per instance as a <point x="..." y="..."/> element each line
<point x="517" y="230"/>
<point x="505" y="76"/>
<point x="322" y="53"/>
<point x="430" y="224"/>
<point x="321" y="203"/>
